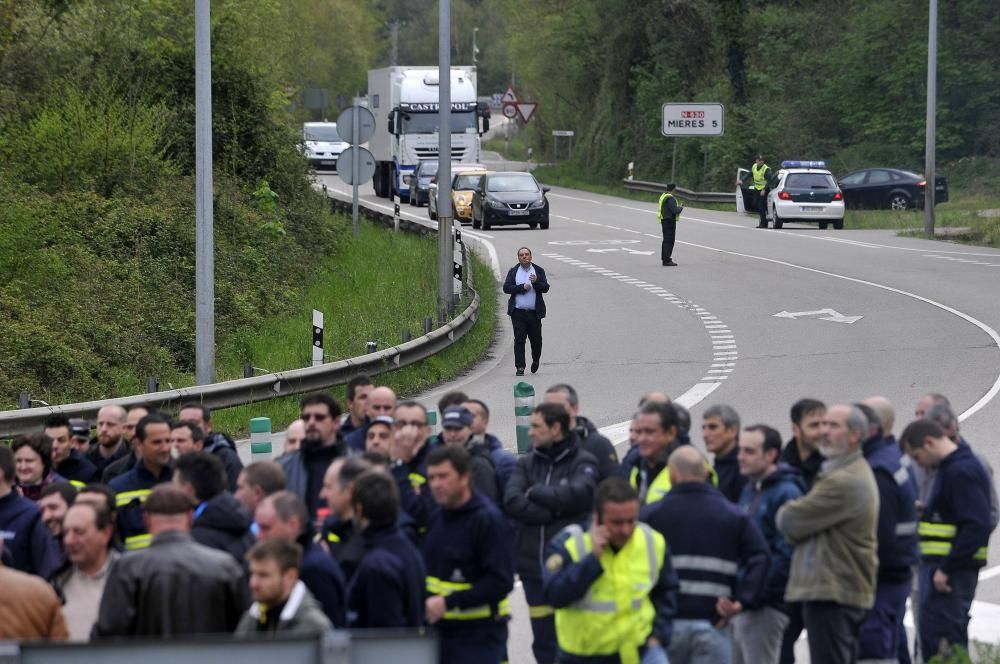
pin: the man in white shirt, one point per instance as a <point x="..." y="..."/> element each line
<point x="525" y="283"/>
<point x="87" y="534"/>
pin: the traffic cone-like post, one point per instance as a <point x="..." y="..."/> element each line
<point x="524" y="403"/>
<point x="260" y="439"/>
<point x="631" y="170"/>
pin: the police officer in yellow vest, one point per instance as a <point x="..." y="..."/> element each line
<point x="613" y="587"/>
<point x="668" y="214"/>
<point x="760" y="180"/>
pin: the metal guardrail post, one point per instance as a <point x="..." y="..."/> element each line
<point x="152" y="385"/>
<point x="24" y="400"/>
<point x="406" y="335"/>
<point x="248" y="370"/>
<point x="428" y="325"/>
<point x="371" y="346"/>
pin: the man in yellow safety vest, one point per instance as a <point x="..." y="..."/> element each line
<point x="760" y="180"/>
<point x="613" y="587"/>
<point x="667" y="216"/>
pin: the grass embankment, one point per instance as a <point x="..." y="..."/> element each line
<point x="377" y="284"/>
<point x="515" y="150"/>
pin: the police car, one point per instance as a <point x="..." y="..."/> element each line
<point x="805" y="191"/>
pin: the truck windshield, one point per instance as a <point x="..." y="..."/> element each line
<point x="427" y="123"/>
<point x="327" y="132"/>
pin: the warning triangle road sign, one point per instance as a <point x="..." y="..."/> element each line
<point x="526" y="109"/>
<point x="509" y="97"/>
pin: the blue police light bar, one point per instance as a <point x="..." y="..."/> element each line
<point x="803" y="164"/>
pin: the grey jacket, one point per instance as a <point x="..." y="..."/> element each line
<point x="833" y="530"/>
<point x="302" y="615"/>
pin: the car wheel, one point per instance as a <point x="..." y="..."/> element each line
<point x="432" y="213"/>
<point x="838" y="224"/>
<point x="899" y="201"/>
<point x="778" y="221"/>
<point x="475" y="222"/>
<point x="823" y="225"/>
<point x="533" y="225"/>
<point x="545" y="225"/>
<point x="486" y="224"/>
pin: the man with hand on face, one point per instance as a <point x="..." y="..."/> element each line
<point x="305" y="469"/>
<point x="282" y="603"/>
<point x="410" y="447"/>
<point x="613" y="587"/>
<point x="152" y="436"/>
<point x="468" y="551"/>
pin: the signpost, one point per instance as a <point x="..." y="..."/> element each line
<point x="355" y="166"/>
<point x="693" y="120"/>
<point x="556" y="135"/>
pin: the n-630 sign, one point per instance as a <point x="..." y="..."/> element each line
<point x="693" y="120"/>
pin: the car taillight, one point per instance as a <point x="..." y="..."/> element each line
<point x="838" y="196"/>
<point x="784" y="195"/>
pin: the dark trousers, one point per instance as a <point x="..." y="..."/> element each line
<point x="833" y="632"/>
<point x="543" y="621"/>
<point x="760" y="198"/>
<point x="669" y="232"/>
<point x="880" y="632"/>
<point x="527" y="325"/>
<point x="792" y="632"/>
<point x="476" y="646"/>
<point x="945" y="616"/>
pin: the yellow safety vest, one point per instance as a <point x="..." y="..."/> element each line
<point x="659" y="209"/>
<point x="436" y="586"/>
<point x="660" y="485"/>
<point x="936" y="539"/>
<point x="616" y="615"/>
<point x="758" y="176"/>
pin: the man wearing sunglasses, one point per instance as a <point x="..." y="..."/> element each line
<point x="305" y="468"/>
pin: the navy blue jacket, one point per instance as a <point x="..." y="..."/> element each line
<point x="305" y="468"/>
<point x="898" y="543"/>
<point x="809" y="468"/>
<point x="415" y="499"/>
<point x="222" y="446"/>
<point x="597" y="444"/>
<point x="388" y="587"/>
<point x="540" y="286"/>
<point x="100" y="461"/>
<point x="344" y="543"/>
<point x="961" y="497"/>
<point x="472" y="544"/>
<point x="324" y="579"/>
<point x="503" y="461"/>
<point x="762" y="502"/>
<point x="27" y="543"/>
<point x="78" y="469"/>
<point x="221" y="523"/>
<point x="355" y="439"/>
<point x="130" y="510"/>
<point x="731" y="483"/>
<point x="716" y="548"/>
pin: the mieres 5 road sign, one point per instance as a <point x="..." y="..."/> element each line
<point x="693" y="120"/>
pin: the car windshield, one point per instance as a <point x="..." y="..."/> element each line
<point x="466" y="181"/>
<point x="427" y="123"/>
<point x="513" y="182"/>
<point x="326" y="132"/>
<point x="809" y="181"/>
<point x="428" y="168"/>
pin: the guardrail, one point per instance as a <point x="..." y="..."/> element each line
<point x="696" y="196"/>
<point x="272" y="385"/>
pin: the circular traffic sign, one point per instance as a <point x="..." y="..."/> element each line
<point x="345" y="124"/>
<point x="366" y="165"/>
<point x="509" y="110"/>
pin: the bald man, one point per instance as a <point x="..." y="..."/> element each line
<point x="719" y="554"/>
<point x="381" y="403"/>
<point x="111" y="442"/>
<point x="886" y="413"/>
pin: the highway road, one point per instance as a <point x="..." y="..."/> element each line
<point x="911" y="316"/>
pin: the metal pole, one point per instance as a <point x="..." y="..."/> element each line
<point x="445" y="250"/>
<point x="475" y="51"/>
<point x="394" y="38"/>
<point x="355" y="166"/>
<point x="673" y="164"/>
<point x="929" y="155"/>
<point x="204" y="331"/>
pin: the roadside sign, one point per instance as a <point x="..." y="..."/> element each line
<point x="366" y="165"/>
<point x="693" y="120"/>
<point x="509" y="110"/>
<point x="562" y="132"/>
<point x="526" y="109"/>
<point x="509" y="97"/>
<point x="366" y="124"/>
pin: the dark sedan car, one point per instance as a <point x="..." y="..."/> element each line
<point x="891" y="188"/>
<point x="420" y="181"/>
<point x="508" y="198"/>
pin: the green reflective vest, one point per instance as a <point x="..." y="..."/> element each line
<point x="936" y="538"/>
<point x="616" y="614"/>
<point x="759" y="181"/>
<point x="659" y="209"/>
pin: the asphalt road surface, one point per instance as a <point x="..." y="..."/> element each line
<point x="908" y="316"/>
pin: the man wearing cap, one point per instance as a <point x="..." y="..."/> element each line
<point x="79" y="429"/>
<point x="760" y="175"/>
<point x="668" y="214"/>
<point x="456" y="431"/>
<point x="378" y="438"/>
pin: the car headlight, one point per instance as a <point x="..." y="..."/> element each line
<point x="540" y="203"/>
<point x="495" y="204"/>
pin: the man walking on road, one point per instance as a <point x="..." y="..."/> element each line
<point x="667" y="216"/>
<point x="525" y="283"/>
<point x="833" y="530"/>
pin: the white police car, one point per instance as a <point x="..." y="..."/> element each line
<point x="805" y="191"/>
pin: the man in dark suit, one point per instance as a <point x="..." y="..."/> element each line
<point x="525" y="284"/>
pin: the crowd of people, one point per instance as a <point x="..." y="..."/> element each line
<point x="370" y="519"/>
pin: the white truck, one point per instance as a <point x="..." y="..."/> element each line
<point x="404" y="101"/>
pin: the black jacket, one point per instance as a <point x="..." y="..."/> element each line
<point x="223" y="447"/>
<point x="100" y="461"/>
<point x="324" y="579"/>
<point x="541" y="285"/>
<point x="809" y="468"/>
<point x="388" y="587"/>
<point x="727" y="468"/>
<point x="222" y="524"/>
<point x="344" y="543"/>
<point x="119" y="467"/>
<point x="175" y="587"/>
<point x="78" y="469"/>
<point x="551" y="488"/>
<point x="592" y="441"/>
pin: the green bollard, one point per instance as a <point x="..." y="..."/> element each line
<point x="260" y="439"/>
<point x="524" y="403"/>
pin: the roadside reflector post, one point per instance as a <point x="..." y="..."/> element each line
<point x="260" y="439"/>
<point x="524" y="403"/>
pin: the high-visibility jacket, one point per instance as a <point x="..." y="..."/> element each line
<point x="131" y="491"/>
<point x="615" y="615"/>
<point x="436" y="586"/>
<point x="759" y="176"/>
<point x="659" y="207"/>
<point x="660" y="486"/>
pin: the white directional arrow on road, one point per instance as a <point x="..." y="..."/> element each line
<point x="636" y="251"/>
<point x="601" y="251"/>
<point x="824" y="314"/>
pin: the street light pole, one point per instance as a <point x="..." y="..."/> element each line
<point x="445" y="242"/>
<point x="204" y="330"/>
<point x="930" y="154"/>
